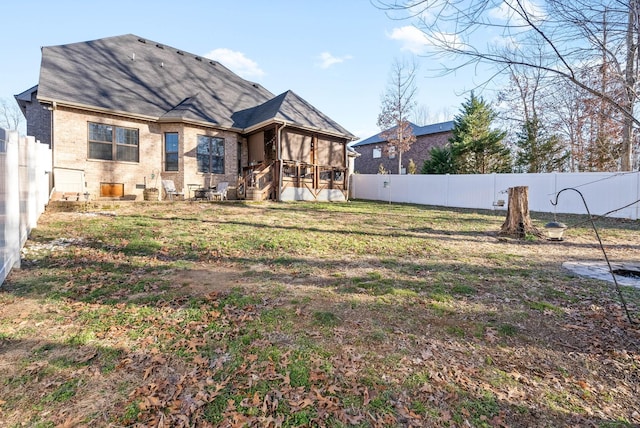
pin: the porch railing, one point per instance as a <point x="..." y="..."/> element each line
<point x="313" y="177"/>
<point x="261" y="181"/>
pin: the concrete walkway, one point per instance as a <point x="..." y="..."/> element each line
<point x="600" y="270"/>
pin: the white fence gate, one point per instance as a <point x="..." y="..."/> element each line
<point x="603" y="192"/>
<point x="25" y="166"/>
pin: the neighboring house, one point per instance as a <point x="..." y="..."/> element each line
<point x="123" y="113"/>
<point x="374" y="150"/>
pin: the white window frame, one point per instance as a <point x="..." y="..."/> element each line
<point x="392" y="152"/>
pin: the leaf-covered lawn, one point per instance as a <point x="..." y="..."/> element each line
<point x="301" y="314"/>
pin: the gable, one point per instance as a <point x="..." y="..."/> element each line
<point x="292" y="109"/>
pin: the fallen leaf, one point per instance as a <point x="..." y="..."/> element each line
<point x="71" y="422"/>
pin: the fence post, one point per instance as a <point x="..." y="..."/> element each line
<point x="31" y="184"/>
<point x="10" y="196"/>
<point x="637" y="196"/>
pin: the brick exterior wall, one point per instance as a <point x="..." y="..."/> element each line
<point x="419" y="152"/>
<point x="38" y="120"/>
<point x="70" y="151"/>
<point x="188" y="164"/>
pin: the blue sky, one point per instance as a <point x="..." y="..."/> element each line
<point x="336" y="54"/>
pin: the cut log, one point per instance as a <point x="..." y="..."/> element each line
<point x="518" y="222"/>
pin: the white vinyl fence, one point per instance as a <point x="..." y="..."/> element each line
<point x="603" y="192"/>
<point x="25" y="166"/>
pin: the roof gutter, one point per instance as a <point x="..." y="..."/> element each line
<point x="199" y="123"/>
<point x="129" y="115"/>
<point x="306" y="128"/>
<point x="96" y="109"/>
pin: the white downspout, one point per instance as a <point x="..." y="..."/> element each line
<point x="347" y="181"/>
<point x="52" y="180"/>
<point x="280" y="166"/>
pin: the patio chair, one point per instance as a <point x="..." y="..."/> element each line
<point x="170" y="189"/>
<point x="221" y="191"/>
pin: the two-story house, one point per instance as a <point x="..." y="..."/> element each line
<point x="374" y="151"/>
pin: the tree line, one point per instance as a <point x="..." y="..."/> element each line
<point x="478" y="148"/>
<point x="536" y="128"/>
<point x="573" y="73"/>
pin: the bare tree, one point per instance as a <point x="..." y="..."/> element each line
<point x="10" y="115"/>
<point x="523" y="93"/>
<point x="398" y="102"/>
<point x="603" y="126"/>
<point x="529" y="106"/>
<point x="517" y="102"/>
<point x="569" y="35"/>
<point x="422" y="115"/>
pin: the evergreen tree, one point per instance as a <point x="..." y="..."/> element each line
<point x="439" y="162"/>
<point x="475" y="147"/>
<point x="539" y="152"/>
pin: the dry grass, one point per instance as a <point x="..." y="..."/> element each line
<point x="363" y="314"/>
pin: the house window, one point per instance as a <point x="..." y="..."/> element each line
<point x="392" y="152"/>
<point x="109" y="142"/>
<point x="377" y="152"/>
<point x="171" y="151"/>
<point x="210" y="154"/>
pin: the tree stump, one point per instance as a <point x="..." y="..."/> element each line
<point x="518" y="222"/>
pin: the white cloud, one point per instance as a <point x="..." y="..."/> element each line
<point x="417" y="42"/>
<point x="505" y="12"/>
<point x="327" y="60"/>
<point x="236" y="62"/>
<point x="412" y="39"/>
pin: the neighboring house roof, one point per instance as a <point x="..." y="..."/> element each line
<point x="418" y="131"/>
<point x="26" y="95"/>
<point x="131" y="75"/>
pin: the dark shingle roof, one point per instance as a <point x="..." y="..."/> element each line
<point x="132" y="75"/>
<point x="291" y="108"/>
<point x="417" y="131"/>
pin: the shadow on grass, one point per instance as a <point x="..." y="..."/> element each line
<point x="61" y="374"/>
<point x="517" y="289"/>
